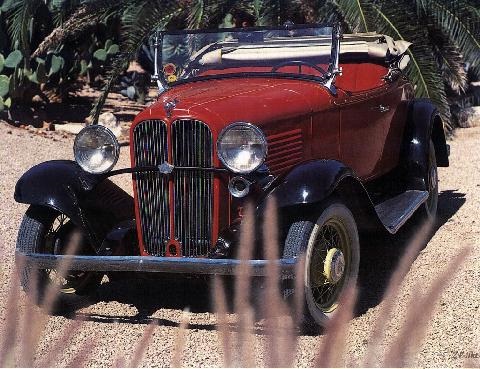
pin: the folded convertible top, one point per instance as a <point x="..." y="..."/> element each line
<point x="361" y="46"/>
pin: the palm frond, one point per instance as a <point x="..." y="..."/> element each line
<point x="81" y="21"/>
<point x="423" y="70"/>
<point x="449" y="60"/>
<point x="267" y="12"/>
<point x="139" y="21"/>
<point x="196" y="18"/>
<point x="308" y="10"/>
<point x="62" y="9"/>
<point x="462" y="24"/>
<point x="217" y="11"/>
<point x="20" y="14"/>
<point x="355" y="13"/>
<point x="330" y="13"/>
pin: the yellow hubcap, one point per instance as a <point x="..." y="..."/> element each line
<point x="334" y="265"/>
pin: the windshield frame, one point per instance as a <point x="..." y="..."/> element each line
<point x="327" y="80"/>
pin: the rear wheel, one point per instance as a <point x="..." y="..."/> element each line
<point x="332" y="257"/>
<point x="46" y="231"/>
<point x="431" y="181"/>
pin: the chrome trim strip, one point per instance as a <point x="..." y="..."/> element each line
<point x="152" y="264"/>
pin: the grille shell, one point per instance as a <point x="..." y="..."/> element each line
<point x="150" y="148"/>
<point x="192" y="191"/>
<point x="178" y="208"/>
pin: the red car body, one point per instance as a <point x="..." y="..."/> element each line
<point x="302" y="121"/>
<point x="349" y="152"/>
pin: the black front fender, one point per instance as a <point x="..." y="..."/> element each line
<point x="91" y="201"/>
<point x="57" y="184"/>
<point x="309" y="184"/>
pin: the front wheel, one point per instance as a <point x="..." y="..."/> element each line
<point x="332" y="250"/>
<point x="46" y="231"/>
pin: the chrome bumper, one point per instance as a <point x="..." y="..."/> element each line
<point x="152" y="264"/>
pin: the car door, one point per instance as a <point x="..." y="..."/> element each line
<point x="364" y="124"/>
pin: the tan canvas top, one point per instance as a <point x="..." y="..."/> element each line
<point x="369" y="45"/>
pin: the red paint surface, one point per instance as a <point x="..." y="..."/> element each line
<point x="300" y="119"/>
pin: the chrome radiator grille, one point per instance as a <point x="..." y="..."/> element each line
<point x="192" y="207"/>
<point x="192" y="147"/>
<point x="150" y="139"/>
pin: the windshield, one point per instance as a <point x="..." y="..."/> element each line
<point x="294" y="51"/>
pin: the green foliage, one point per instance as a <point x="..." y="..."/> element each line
<point x="84" y="67"/>
<point x="28" y="24"/>
<point x="100" y="54"/>
<point x="441" y="31"/>
<point x="113" y="49"/>
<point x="57" y="63"/>
<point x="134" y="86"/>
<point x="4" y="85"/>
<point x="445" y="34"/>
<point x="13" y="59"/>
<point x="41" y="73"/>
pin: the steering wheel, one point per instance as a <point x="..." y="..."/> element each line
<point x="299" y="63"/>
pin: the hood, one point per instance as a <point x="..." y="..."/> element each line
<point x="220" y="102"/>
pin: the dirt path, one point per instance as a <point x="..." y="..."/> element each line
<point x="117" y="318"/>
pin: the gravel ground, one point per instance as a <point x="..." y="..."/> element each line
<point x="120" y="312"/>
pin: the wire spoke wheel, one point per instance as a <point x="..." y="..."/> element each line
<point x="46" y="231"/>
<point x="64" y="238"/>
<point x="330" y="258"/>
<point x="332" y="261"/>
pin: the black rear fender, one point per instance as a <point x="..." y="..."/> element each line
<point x="92" y="202"/>
<point x="424" y="123"/>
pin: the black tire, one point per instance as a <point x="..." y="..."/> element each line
<point x="36" y="235"/>
<point x="304" y="237"/>
<point x="431" y="181"/>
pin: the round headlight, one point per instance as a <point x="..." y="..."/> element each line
<point x="96" y="149"/>
<point x="242" y="147"/>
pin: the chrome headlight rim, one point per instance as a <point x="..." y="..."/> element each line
<point x="259" y="133"/>
<point x="114" y="141"/>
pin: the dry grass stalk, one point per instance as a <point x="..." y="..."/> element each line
<point x="243" y="282"/>
<point x="271" y="306"/>
<point x="298" y="304"/>
<point x="220" y="303"/>
<point x="181" y="339"/>
<point x="32" y="325"/>
<point x="394" y="284"/>
<point x="279" y="325"/>
<point x="331" y="351"/>
<point x="119" y="362"/>
<point x="299" y="294"/>
<point x="142" y="344"/>
<point x="55" y="349"/>
<point x="83" y="354"/>
<point x="281" y="340"/>
<point x="53" y="290"/>
<point x="34" y="321"/>
<point x="11" y="320"/>
<point x="412" y="333"/>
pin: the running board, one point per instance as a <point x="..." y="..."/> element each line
<point x="395" y="211"/>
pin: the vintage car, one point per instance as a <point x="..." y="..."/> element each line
<point x="325" y="123"/>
